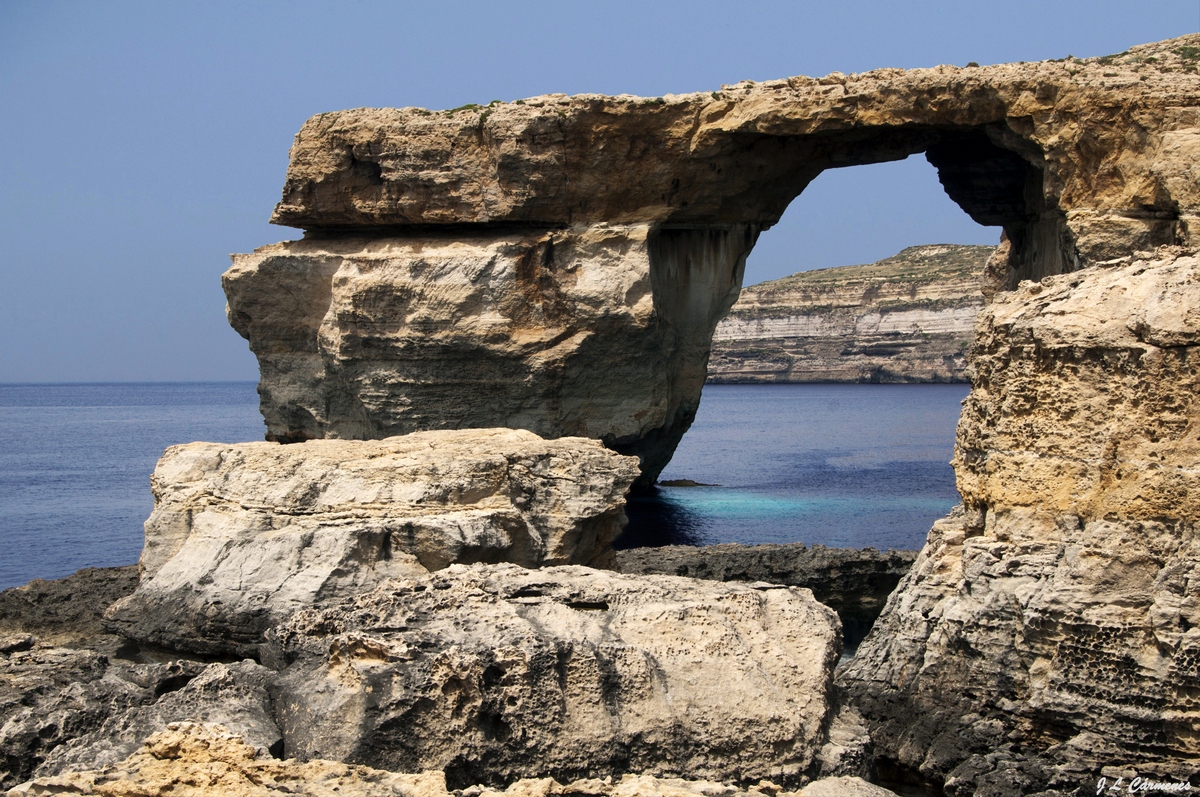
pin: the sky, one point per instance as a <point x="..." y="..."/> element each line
<point x="142" y="143"/>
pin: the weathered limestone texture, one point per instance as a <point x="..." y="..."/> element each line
<point x="854" y="583"/>
<point x="1053" y="627"/>
<point x="1076" y="158"/>
<point x="493" y="673"/>
<point x="907" y="318"/>
<point x="559" y="263"/>
<point x="244" y="535"/>
<point x="190" y="759"/>
<point x="559" y="332"/>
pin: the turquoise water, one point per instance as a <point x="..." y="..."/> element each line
<point x="846" y="465"/>
<point x="838" y="465"/>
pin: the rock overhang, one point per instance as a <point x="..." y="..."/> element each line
<point x="1093" y="136"/>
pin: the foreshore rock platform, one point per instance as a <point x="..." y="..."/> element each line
<point x="480" y="657"/>
<point x="206" y="760"/>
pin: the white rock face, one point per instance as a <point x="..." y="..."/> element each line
<point x="493" y="673"/>
<point x="243" y="535"/>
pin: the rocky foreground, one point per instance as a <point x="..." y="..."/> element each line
<point x="907" y="318"/>
<point x="440" y="675"/>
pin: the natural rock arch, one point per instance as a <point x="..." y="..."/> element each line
<point x="559" y="263"/>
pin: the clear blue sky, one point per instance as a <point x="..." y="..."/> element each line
<point x="143" y="142"/>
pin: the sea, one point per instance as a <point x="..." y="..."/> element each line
<point x="836" y="465"/>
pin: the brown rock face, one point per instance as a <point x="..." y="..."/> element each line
<point x="1053" y="628"/>
<point x="559" y="263"/>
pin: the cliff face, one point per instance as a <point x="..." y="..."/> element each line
<point x="908" y="318"/>
<point x="559" y="263"/>
<point x="1053" y="627"/>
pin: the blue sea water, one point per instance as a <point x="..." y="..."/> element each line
<point x="75" y="464"/>
<point x="850" y="466"/>
<point x="840" y="465"/>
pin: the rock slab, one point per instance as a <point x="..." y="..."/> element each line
<point x="494" y="673"/>
<point x="854" y="583"/>
<point x="244" y="535"/>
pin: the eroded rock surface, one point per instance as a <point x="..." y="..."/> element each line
<point x="559" y="263"/>
<point x="1053" y="627"/>
<point x="1106" y="146"/>
<point x="243" y="535"/>
<point x="493" y="673"/>
<point x="58" y="679"/>
<point x="854" y="583"/>
<point x="906" y="318"/>
<point x="569" y="332"/>
<point x="66" y="611"/>
<point x="206" y="760"/>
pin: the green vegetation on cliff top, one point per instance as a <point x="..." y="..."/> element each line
<point x="928" y="263"/>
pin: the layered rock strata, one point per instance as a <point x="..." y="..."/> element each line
<point x="558" y="263"/>
<point x="1052" y="629"/>
<point x="494" y="673"/>
<point x="854" y="583"/>
<point x="244" y="535"/>
<point x="570" y="332"/>
<point x="907" y="318"/>
<point x="207" y="760"/>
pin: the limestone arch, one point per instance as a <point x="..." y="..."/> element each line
<point x="559" y="263"/>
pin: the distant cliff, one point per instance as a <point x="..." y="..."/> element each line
<point x="907" y="318"/>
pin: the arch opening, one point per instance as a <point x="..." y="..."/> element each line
<point x="994" y="175"/>
<point x="994" y="187"/>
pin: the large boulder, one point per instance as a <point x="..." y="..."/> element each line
<point x="244" y="535"/>
<point x="493" y="673"/>
<point x="1052" y="628"/>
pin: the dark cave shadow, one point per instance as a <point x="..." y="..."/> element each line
<point x="655" y="520"/>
